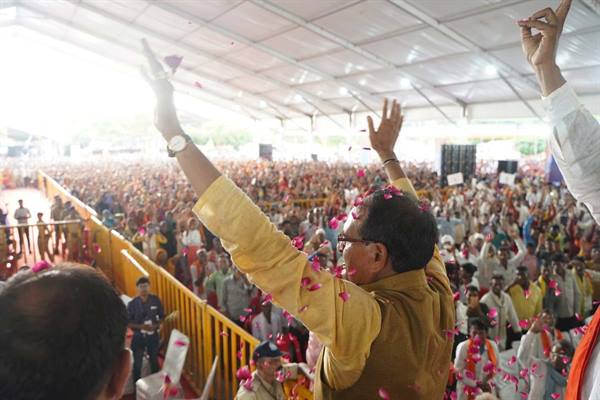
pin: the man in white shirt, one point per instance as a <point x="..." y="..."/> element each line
<point x="566" y="294"/>
<point x="476" y="362"/>
<point x="537" y="343"/>
<point x="575" y="144"/>
<point x="268" y="324"/>
<point x="22" y="216"/>
<point x="502" y="311"/>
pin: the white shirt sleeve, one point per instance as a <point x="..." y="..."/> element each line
<point x="538" y="382"/>
<point x="526" y="349"/>
<point x="575" y="144"/>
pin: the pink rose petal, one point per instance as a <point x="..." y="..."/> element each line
<point x="314" y="287"/>
<point x="302" y="309"/>
<point x="243" y="373"/>
<point x="552" y="284"/>
<point x="198" y="85"/>
<point x="555" y="396"/>
<point x="360" y="173"/>
<point x="180" y="343"/>
<point x="512" y="361"/>
<point x="267" y="299"/>
<point x="493" y="313"/>
<point x="248" y="383"/>
<point x="524" y="324"/>
<point x="383" y="394"/>
<point x="344" y="296"/>
<point x="387" y="196"/>
<point x="224" y="334"/>
<point x="557" y="292"/>
<point x="173" y="62"/>
<point x="315" y="264"/>
<point x="351" y="271"/>
<point x="305" y="282"/>
<point x="334" y="223"/>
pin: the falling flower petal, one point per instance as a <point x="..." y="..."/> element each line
<point x="351" y="271"/>
<point x="239" y="355"/>
<point x="338" y="271"/>
<point x="524" y="395"/>
<point x="248" y="310"/>
<point x="456" y="296"/>
<point x="512" y="361"/>
<point x="493" y="313"/>
<point x="303" y="308"/>
<point x="344" y="296"/>
<point x="359" y="201"/>
<point x="224" y="334"/>
<point x="555" y="396"/>
<point x="526" y="292"/>
<point x="279" y="376"/>
<point x="524" y="324"/>
<point x="360" y="173"/>
<point x="383" y="394"/>
<point x="305" y="282"/>
<point x="248" y="383"/>
<point x="180" y="343"/>
<point x="314" y="287"/>
<point x="243" y="373"/>
<point x="489" y="368"/>
<point x="534" y="368"/>
<point x="315" y="264"/>
<point x="557" y="292"/>
<point x="173" y="62"/>
<point x="552" y="284"/>
<point x="342" y="217"/>
<point x="387" y="196"/>
<point x="565" y="359"/>
<point x="198" y="85"/>
<point x="267" y="299"/>
<point x="354" y="215"/>
<point x="579" y="318"/>
<point x="243" y="318"/>
<point x="40" y="266"/>
<point x="333" y="223"/>
<point x="298" y="242"/>
<point x="524" y="373"/>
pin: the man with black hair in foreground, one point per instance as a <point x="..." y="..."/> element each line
<point x="63" y="336"/>
<point x="384" y="329"/>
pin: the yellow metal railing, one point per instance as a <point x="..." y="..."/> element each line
<point x="210" y="332"/>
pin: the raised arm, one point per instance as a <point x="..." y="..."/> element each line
<point x="345" y="318"/>
<point x="575" y="141"/>
<point x="383" y="141"/>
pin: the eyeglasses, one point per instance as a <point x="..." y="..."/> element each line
<point x="342" y="240"/>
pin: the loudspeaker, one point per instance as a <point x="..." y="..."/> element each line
<point x="458" y="158"/>
<point x="508" y="166"/>
<point x="265" y="151"/>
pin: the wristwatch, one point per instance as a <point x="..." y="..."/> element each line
<point x="177" y="144"/>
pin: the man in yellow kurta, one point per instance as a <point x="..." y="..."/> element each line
<point x="526" y="297"/>
<point x="384" y="329"/>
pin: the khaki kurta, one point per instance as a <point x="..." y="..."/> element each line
<point x="421" y="314"/>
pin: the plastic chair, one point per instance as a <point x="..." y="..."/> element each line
<point x="152" y="386"/>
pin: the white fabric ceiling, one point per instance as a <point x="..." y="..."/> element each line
<point x="288" y="59"/>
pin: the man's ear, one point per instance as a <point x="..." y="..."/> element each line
<point x="380" y="256"/>
<point x="116" y="384"/>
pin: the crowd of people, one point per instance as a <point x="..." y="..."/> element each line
<point x="477" y="291"/>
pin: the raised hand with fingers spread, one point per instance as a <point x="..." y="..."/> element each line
<point x="383" y="139"/>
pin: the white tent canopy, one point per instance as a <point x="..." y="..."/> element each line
<point x="331" y="60"/>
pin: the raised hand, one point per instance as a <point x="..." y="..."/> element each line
<point x="384" y="138"/>
<point x="165" y="117"/>
<point x="540" y="49"/>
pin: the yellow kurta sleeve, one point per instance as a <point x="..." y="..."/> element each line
<point x="347" y="328"/>
<point x="435" y="269"/>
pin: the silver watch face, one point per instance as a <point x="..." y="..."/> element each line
<point x="177" y="143"/>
